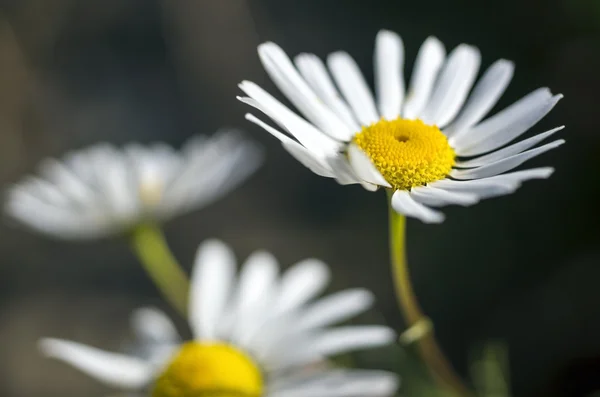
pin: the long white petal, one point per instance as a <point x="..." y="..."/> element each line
<point x="505" y="164"/>
<point x="300" y="283"/>
<point x="350" y="338"/>
<point x="406" y="205"/>
<point x="315" y="73"/>
<point x="300" y="153"/>
<point x="451" y="90"/>
<point x="427" y="65"/>
<point x="289" y="81"/>
<point x="506" y="125"/>
<point x="507" y="151"/>
<point x="483" y="188"/>
<point x="308" y="159"/>
<point x="364" y="168"/>
<point x="309" y="136"/>
<point x="338" y="383"/>
<point x="211" y="283"/>
<point x="111" y="368"/>
<point x="256" y="287"/>
<point x="433" y="196"/>
<point x="351" y="82"/>
<point x="494" y="186"/>
<point x="389" y="76"/>
<point x="485" y="95"/>
<point x="336" y="308"/>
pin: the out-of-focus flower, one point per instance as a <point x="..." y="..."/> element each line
<point x="103" y="190"/>
<point x="428" y="147"/>
<point x="256" y="334"/>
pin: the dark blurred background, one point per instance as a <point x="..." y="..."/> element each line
<point x="524" y="269"/>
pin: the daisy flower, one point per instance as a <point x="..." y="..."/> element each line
<point x="104" y="190"/>
<point x="255" y="334"/>
<point x="428" y="146"/>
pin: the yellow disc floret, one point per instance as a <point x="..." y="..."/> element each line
<point x="209" y="370"/>
<point x="408" y="153"/>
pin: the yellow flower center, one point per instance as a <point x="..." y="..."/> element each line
<point x="408" y="153"/>
<point x="209" y="370"/>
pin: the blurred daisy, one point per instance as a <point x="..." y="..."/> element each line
<point x="262" y="334"/>
<point x="428" y="147"/>
<point x="104" y="190"/>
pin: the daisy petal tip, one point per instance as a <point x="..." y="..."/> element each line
<point x="48" y="346"/>
<point x="212" y="245"/>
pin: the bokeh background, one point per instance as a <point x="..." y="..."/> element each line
<point x="522" y="269"/>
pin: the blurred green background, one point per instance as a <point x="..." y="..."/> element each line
<point x="523" y="269"/>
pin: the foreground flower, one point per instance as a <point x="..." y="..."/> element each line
<point x="258" y="335"/>
<point x="428" y="147"/>
<point x="103" y="190"/>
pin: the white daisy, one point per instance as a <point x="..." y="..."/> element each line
<point x="429" y="147"/>
<point x="255" y="334"/>
<point x="103" y="190"/>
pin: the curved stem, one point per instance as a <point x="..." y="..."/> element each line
<point x="430" y="352"/>
<point x="149" y="245"/>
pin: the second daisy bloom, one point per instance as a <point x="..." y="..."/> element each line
<point x="427" y="144"/>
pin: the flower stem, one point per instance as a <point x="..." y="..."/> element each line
<point x="428" y="348"/>
<point x="148" y="243"/>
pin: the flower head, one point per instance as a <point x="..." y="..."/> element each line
<point x="428" y="145"/>
<point x="256" y="333"/>
<point x="103" y="190"/>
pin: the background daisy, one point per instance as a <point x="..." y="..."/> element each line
<point x="256" y="333"/>
<point x="104" y="190"/>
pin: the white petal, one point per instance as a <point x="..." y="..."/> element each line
<point x="498" y="185"/>
<point x="352" y="84"/>
<point x="389" y="77"/>
<point x="253" y="119"/>
<point x="308" y="159"/>
<point x="338" y="383"/>
<point x="505" y="164"/>
<point x="483" y="188"/>
<point x="300" y="283"/>
<point x="209" y="170"/>
<point x="111" y="368"/>
<point x="350" y="338"/>
<point x="506" y="125"/>
<point x="406" y="205"/>
<point x="427" y="65"/>
<point x="520" y="176"/>
<point x="315" y="73"/>
<point x="211" y="282"/>
<point x="485" y="95"/>
<point x="507" y="151"/>
<point x="433" y="196"/>
<point x="152" y="325"/>
<point x="453" y="85"/>
<point x="309" y="136"/>
<point x="66" y="223"/>
<point x="68" y="181"/>
<point x="256" y="288"/>
<point x="364" y="168"/>
<point x="289" y="81"/>
<point x="336" y="308"/>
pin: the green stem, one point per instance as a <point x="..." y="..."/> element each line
<point x="430" y="352"/>
<point x="153" y="252"/>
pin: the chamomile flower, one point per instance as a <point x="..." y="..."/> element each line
<point x="104" y="190"/>
<point x="255" y="334"/>
<point x="428" y="146"/>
